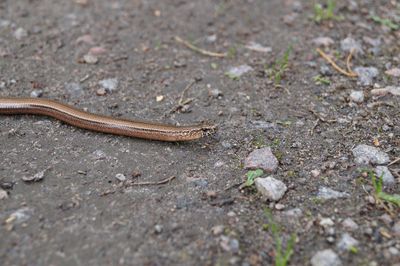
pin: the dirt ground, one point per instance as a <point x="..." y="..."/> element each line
<point x="80" y="213"/>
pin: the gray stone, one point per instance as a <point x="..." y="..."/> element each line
<point x="229" y="244"/>
<point x="349" y="44"/>
<point x="36" y="93"/>
<point x="328" y="193"/>
<point x="73" y="89"/>
<point x="357" y="96"/>
<point x="387" y="177"/>
<point x="20" y="216"/>
<point x="365" y="154"/>
<point x="236" y="72"/>
<point x="261" y="159"/>
<point x="271" y="188"/>
<point x="394" y="72"/>
<point x="37" y="177"/>
<point x="293" y="213"/>
<point x="326" y="257"/>
<point x="323" y="41"/>
<point x="366" y="75"/>
<point x="395" y="91"/>
<point x="347" y="242"/>
<point x="90" y="59"/>
<point x="258" y="47"/>
<point x="109" y="85"/>
<point x="120" y="177"/>
<point x="396" y="228"/>
<point x="3" y="194"/>
<point x="20" y="33"/>
<point x="349" y="224"/>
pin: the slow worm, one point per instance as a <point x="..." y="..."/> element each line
<point x="100" y="123"/>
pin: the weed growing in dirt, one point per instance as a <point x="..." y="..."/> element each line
<point x="385" y="22"/>
<point x="282" y="256"/>
<point x="281" y="65"/>
<point x="252" y="175"/>
<point x="325" y="13"/>
<point x="320" y="80"/>
<point x="379" y="194"/>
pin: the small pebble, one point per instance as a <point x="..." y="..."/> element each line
<point x="20" y="33"/>
<point x="101" y="92"/>
<point x="315" y="173"/>
<point x="261" y="159"/>
<point x="3" y="194"/>
<point x="36" y="93"/>
<point x="158" y="229"/>
<point x="349" y="44"/>
<point x="394" y="72"/>
<point x="347" y="242"/>
<point x="357" y="96"/>
<point x="109" y="85"/>
<point x="326" y="257"/>
<point x="395" y="91"/>
<point x="236" y="72"/>
<point x="328" y="193"/>
<point x="387" y="177"/>
<point x="326" y="222"/>
<point x="323" y="41"/>
<point x="120" y="177"/>
<point x="20" y="216"/>
<point x="271" y="188"/>
<point x="258" y="47"/>
<point x="90" y="59"/>
<point x="97" y="50"/>
<point x="279" y="206"/>
<point x="73" y="89"/>
<point x="217" y="230"/>
<point x="293" y="213"/>
<point x="366" y="75"/>
<point x="365" y="154"/>
<point x="396" y="229"/>
<point x="37" y="177"/>
<point x="229" y="244"/>
<point x="349" y="224"/>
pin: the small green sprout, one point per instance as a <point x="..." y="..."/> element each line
<point x="280" y="67"/>
<point x="252" y="175"/>
<point x="282" y="257"/>
<point x="325" y="13"/>
<point x="380" y="196"/>
<point x="385" y="22"/>
<point x="320" y="80"/>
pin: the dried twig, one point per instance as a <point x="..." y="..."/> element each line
<point x="335" y="66"/>
<point x="197" y="49"/>
<point x="132" y="184"/>
<point x="161" y="182"/>
<point x="348" y="62"/>
<point x="394" y="161"/>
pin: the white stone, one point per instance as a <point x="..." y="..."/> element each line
<point x="347" y="242"/>
<point x="326" y="257"/>
<point x="349" y="224"/>
<point x="365" y="154"/>
<point x="328" y="193"/>
<point x="387" y="177"/>
<point x="357" y="96"/>
<point x="271" y="188"/>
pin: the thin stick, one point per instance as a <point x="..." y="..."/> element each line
<point x="335" y="66"/>
<point x="185" y="90"/>
<point x="199" y="50"/>
<point x="161" y="182"/>
<point x="394" y="161"/>
<point x="348" y="62"/>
